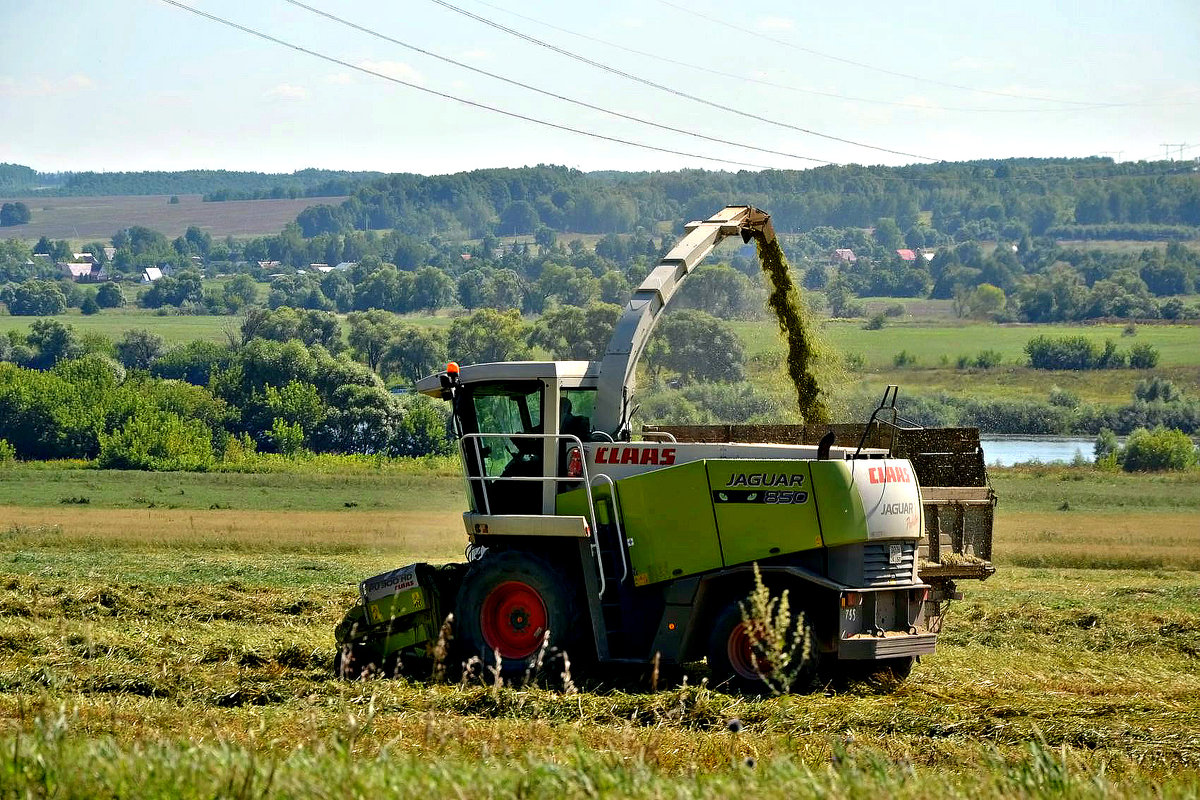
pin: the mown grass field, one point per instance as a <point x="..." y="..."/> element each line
<point x="88" y="219"/>
<point x="152" y="645"/>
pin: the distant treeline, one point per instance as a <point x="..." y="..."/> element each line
<point x="16" y="179"/>
<point x="981" y="200"/>
<point x="969" y="200"/>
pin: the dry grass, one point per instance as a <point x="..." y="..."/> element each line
<point x="415" y="534"/>
<point x="1114" y="540"/>
<point x="85" y="219"/>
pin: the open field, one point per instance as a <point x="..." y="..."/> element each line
<point x="86" y="219"/>
<point x="936" y="345"/>
<point x="186" y="652"/>
<point x="1178" y="345"/>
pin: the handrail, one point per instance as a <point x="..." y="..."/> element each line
<point x="659" y="436"/>
<point x="483" y="479"/>
<point x="612" y="492"/>
<point x="892" y="391"/>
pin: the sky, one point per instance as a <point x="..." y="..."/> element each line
<point x="122" y="85"/>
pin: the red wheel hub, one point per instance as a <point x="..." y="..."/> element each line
<point x="739" y="649"/>
<point x="513" y="619"/>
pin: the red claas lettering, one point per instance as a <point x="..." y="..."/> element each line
<point x="641" y="456"/>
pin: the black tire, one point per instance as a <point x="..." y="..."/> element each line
<point x="508" y="599"/>
<point x="732" y="668"/>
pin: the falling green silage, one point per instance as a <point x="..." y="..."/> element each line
<point x="784" y="300"/>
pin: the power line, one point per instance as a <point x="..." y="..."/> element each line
<point x="789" y="87"/>
<point x="582" y="103"/>
<point x="760" y="35"/>
<point x="668" y="89"/>
<point x="446" y="96"/>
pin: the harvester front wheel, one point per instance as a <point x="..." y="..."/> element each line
<point x="737" y="666"/>
<point x="508" y="600"/>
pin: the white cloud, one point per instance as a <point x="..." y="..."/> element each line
<point x="44" y="87"/>
<point x="775" y="24"/>
<point x="287" y="91"/>
<point x="394" y="69"/>
<point x="340" y="79"/>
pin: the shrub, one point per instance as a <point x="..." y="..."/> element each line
<point x="1063" y="398"/>
<point x="988" y="359"/>
<point x="7" y="452"/>
<point x="1073" y="352"/>
<point x="1143" y="356"/>
<point x="875" y="323"/>
<point x="904" y="359"/>
<point x="1156" y="389"/>
<point x="1106" y="445"/>
<point x="1157" y="450"/>
<point x="962" y="362"/>
<point x="1062" y="352"/>
<point x="287" y="437"/>
<point x="1111" y="358"/>
<point x="159" y="441"/>
<point x="895" y="310"/>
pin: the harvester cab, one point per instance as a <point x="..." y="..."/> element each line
<point x="612" y="550"/>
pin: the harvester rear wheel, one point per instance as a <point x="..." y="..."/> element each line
<point x="736" y="667"/>
<point x="508" y="600"/>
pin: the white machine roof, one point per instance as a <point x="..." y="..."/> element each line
<point x="513" y="370"/>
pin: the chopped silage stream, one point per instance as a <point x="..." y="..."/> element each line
<point x="784" y="301"/>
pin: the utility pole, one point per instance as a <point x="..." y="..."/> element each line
<point x="1167" y="150"/>
<point x="1118" y="153"/>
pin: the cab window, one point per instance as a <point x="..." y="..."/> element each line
<point x="509" y="408"/>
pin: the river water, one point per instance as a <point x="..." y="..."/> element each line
<point x="1008" y="450"/>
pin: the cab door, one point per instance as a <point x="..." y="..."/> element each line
<point x="495" y="464"/>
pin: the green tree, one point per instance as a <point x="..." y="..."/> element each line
<point x="34" y="298"/>
<point x="412" y="352"/>
<point x="109" y="295"/>
<point x="488" y="335"/>
<point x="698" y="347"/>
<point x="53" y="342"/>
<point x="432" y="289"/>
<point x="138" y="348"/>
<point x="240" y="292"/>
<point x="14" y="214"/>
<point x="519" y="217"/>
<point x="370" y="334"/>
<point x="504" y="290"/>
<point x="986" y="301"/>
<point x="571" y="333"/>
<point x="614" y="288"/>
<point x="888" y="234"/>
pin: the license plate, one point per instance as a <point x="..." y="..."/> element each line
<point x="895" y="554"/>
